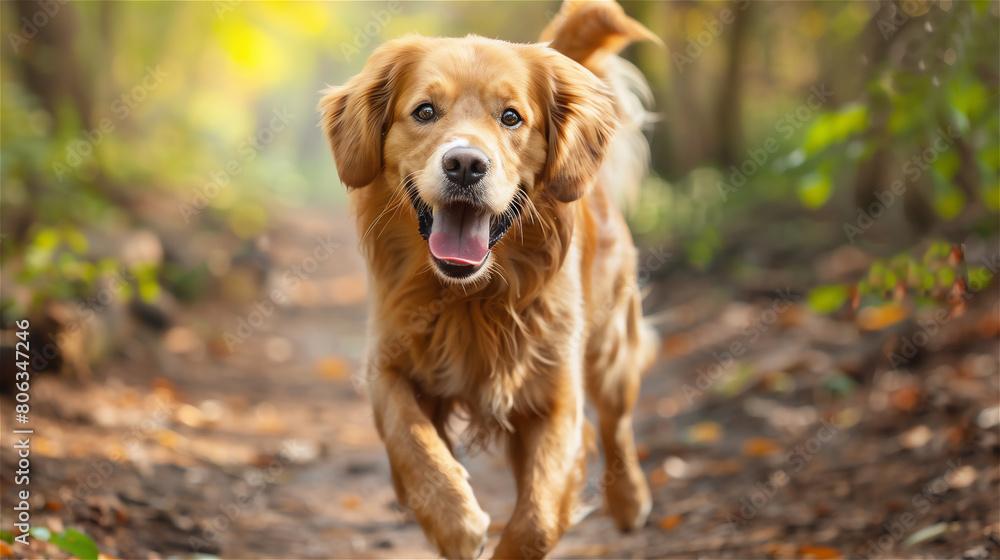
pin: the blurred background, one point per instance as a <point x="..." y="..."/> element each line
<point x="818" y="238"/>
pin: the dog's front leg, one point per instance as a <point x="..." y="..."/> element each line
<point x="427" y="478"/>
<point x="548" y="458"/>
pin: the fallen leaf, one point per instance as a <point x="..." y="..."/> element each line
<point x="878" y="318"/>
<point x="164" y="389"/>
<point x="668" y="523"/>
<point x="962" y="477"/>
<point x="988" y="417"/>
<point x="926" y="534"/>
<point x="181" y="340"/>
<point x="189" y="415"/>
<point x="658" y="477"/>
<point x="351" y="501"/>
<point x="676" y="345"/>
<point x="332" y="367"/>
<point x="676" y="467"/>
<point x="705" y="432"/>
<point x="760" y="446"/>
<point x="915" y="437"/>
<point x="726" y="467"/>
<point x="642" y="451"/>
<point x="818" y="552"/>
<point x="906" y="398"/>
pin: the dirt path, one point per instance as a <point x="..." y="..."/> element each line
<point x="809" y="446"/>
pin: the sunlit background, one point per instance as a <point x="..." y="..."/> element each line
<point x="161" y="170"/>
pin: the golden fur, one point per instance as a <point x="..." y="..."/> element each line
<point x="553" y="315"/>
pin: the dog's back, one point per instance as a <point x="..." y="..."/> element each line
<point x="619" y="344"/>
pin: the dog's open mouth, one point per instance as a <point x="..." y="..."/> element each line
<point x="460" y="234"/>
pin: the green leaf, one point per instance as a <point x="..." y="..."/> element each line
<point x="815" y="189"/>
<point x="959" y="119"/>
<point x="936" y="251"/>
<point x="827" y="299"/>
<point x="47" y="239"/>
<point x="945" y="277"/>
<point x="949" y="203"/>
<point x="833" y="128"/>
<point x="979" y="278"/>
<point x="76" y="241"/>
<point x="7" y="537"/>
<point x="71" y="541"/>
<point x="840" y="384"/>
<point x="992" y="196"/>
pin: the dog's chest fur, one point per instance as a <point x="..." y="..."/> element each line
<point x="492" y="358"/>
<point x="492" y="351"/>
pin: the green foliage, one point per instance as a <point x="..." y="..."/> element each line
<point x="937" y="93"/>
<point x="835" y="127"/>
<point x="839" y="384"/>
<point x="827" y="299"/>
<point x="932" y="279"/>
<point x="73" y="542"/>
<point x="7" y="537"/>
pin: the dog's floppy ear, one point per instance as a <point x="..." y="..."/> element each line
<point x="582" y="123"/>
<point x="355" y="116"/>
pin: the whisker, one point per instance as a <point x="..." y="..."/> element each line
<point x="400" y="204"/>
<point x="389" y="206"/>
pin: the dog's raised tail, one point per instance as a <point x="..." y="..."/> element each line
<point x="593" y="32"/>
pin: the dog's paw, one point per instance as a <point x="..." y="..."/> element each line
<point x="462" y="534"/>
<point x="629" y="501"/>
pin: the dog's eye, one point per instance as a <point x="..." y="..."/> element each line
<point x="511" y="119"/>
<point x="424" y="112"/>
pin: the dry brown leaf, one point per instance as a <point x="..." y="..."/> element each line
<point x="350" y="501"/>
<point x="793" y="316"/>
<point x="658" y="477"/>
<point x="906" y="398"/>
<point x="164" y="389"/>
<point x="668" y="523"/>
<point x="642" y="451"/>
<point x="676" y="345"/>
<point x="819" y="552"/>
<point x="878" y="318"/>
<point x="760" y="446"/>
<point x="705" y="432"/>
<point x="333" y="367"/>
<point x="726" y="467"/>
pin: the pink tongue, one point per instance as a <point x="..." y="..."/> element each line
<point x="460" y="234"/>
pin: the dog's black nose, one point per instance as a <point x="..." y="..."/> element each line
<point x="465" y="166"/>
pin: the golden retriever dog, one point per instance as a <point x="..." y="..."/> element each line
<point x="483" y="176"/>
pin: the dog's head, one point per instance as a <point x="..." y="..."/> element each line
<point x="470" y="130"/>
